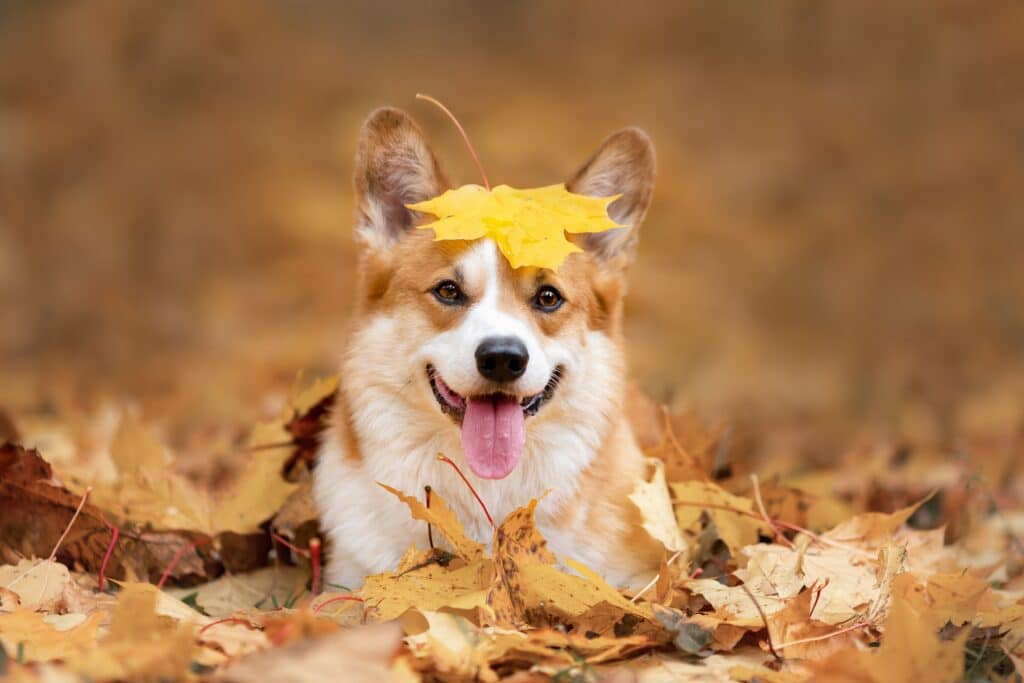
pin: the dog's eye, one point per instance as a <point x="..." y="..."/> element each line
<point x="448" y="292"/>
<point x="547" y="299"/>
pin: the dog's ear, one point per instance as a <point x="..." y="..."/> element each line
<point x="623" y="164"/>
<point x="394" y="167"/>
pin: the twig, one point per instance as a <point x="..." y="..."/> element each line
<point x="430" y="528"/>
<point x="653" y="582"/>
<point x="269" y="446"/>
<point x="670" y="434"/>
<point x="177" y="558"/>
<point x="764" y="618"/>
<point x="337" y="598"/>
<point x="53" y="553"/>
<point x="764" y="513"/>
<point x="314" y="557"/>
<point x="115" y="534"/>
<point x="291" y="546"/>
<point x="462" y="132"/>
<point x="444" y="458"/>
<point x="824" y="637"/>
<point x="78" y="510"/>
<point x="817" y="596"/>
<point x="778" y="522"/>
<point x="227" y="620"/>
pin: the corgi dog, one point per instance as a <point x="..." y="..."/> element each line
<point x="517" y="375"/>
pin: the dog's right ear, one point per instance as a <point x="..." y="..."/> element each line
<point x="394" y="167"/>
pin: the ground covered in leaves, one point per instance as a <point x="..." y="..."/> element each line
<point x="829" y="273"/>
<point x="899" y="563"/>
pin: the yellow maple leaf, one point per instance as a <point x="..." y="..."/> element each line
<point x="528" y="225"/>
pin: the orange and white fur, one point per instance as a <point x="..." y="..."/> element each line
<point x="516" y="375"/>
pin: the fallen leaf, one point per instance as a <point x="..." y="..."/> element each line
<point x="431" y="587"/>
<point x="42" y="639"/>
<point x="655" y="505"/>
<point x="266" y="588"/>
<point x="911" y="651"/>
<point x="38" y="584"/>
<point x="141" y="644"/>
<point x="457" y="647"/>
<point x="731" y="514"/>
<point x="363" y="655"/>
<point x="444" y="520"/>
<point x="35" y="510"/>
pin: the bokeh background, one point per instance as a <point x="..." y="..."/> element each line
<point x="836" y="241"/>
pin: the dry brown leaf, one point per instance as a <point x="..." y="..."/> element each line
<point x="431" y="587"/>
<point x="363" y="655"/>
<point x="870" y="530"/>
<point x="35" y="510"/>
<point x="736" y="529"/>
<point x="142" y="645"/>
<point x="265" y="588"/>
<point x="255" y="495"/>
<point x="37" y="584"/>
<point x="954" y="598"/>
<point x="845" y="579"/>
<point x="457" y="647"/>
<point x="911" y="652"/>
<point x="796" y="635"/>
<point x="734" y="605"/>
<point x="44" y="639"/>
<point x="652" y="498"/>
<point x="444" y="520"/>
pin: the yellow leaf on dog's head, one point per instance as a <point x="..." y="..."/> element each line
<point x="528" y="226"/>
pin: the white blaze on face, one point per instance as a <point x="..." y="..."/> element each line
<point x="453" y="353"/>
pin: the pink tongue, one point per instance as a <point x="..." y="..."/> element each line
<point x="493" y="434"/>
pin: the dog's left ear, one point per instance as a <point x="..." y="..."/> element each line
<point x="623" y="164"/>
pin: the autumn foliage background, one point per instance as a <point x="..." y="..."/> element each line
<point x="832" y="259"/>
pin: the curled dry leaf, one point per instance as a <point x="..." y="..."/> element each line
<point x="652" y="498"/>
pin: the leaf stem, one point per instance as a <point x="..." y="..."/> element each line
<point x="824" y="637"/>
<point x="462" y="132"/>
<point x="115" y="534"/>
<point x="314" y="558"/>
<point x="444" y="458"/>
<point x="654" y="581"/>
<point x="227" y="620"/>
<point x="291" y="546"/>
<point x="337" y="598"/>
<point x="764" y="618"/>
<point x="430" y="527"/>
<point x="177" y="558"/>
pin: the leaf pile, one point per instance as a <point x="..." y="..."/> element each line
<point x="912" y="571"/>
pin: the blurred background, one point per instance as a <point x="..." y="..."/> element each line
<point x="836" y="240"/>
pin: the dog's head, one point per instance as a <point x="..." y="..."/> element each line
<point x="473" y="345"/>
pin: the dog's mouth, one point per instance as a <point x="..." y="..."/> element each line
<point x="453" y="403"/>
<point x="493" y="425"/>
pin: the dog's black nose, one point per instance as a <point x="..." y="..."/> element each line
<point x="501" y="359"/>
